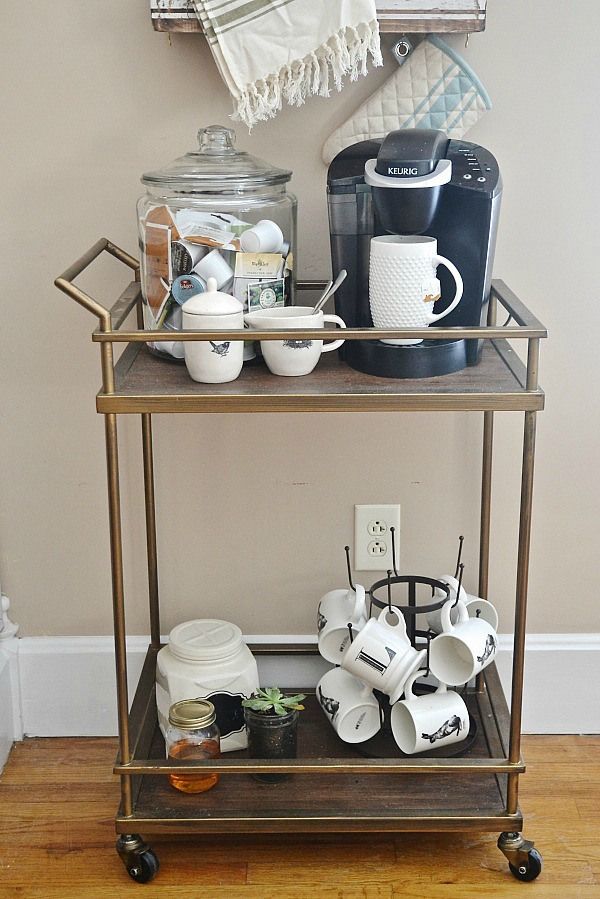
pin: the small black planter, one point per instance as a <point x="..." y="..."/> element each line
<point x="271" y="737"/>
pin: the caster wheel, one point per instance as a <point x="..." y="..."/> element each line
<point x="143" y="867"/>
<point x="530" y="870"/>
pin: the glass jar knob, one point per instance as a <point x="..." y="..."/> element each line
<point x="217" y="140"/>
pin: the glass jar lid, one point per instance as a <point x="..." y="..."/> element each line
<point x="217" y="165"/>
<point x="189" y="714"/>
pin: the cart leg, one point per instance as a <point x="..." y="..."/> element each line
<point x="140" y="861"/>
<point x="485" y="520"/>
<point x="150" y="505"/>
<point x="524" y="861"/>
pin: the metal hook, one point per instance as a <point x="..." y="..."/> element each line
<point x="460" y="546"/>
<point x="389" y="590"/>
<point x="467" y="39"/>
<point x="402" y="50"/>
<point x="352" y="587"/>
<point x="461" y="568"/>
<point x="349" y="626"/>
<point x="393" y="533"/>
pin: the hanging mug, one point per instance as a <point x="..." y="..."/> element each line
<point x="349" y="705"/>
<point x="463" y="649"/>
<point x="428" y="721"/>
<point x="402" y="283"/>
<point x="381" y="655"/>
<point x="336" y="611"/>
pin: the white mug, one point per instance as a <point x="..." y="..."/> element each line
<point x="463" y="649"/>
<point x="381" y="654"/>
<point x="476" y="606"/>
<point x="402" y="283"/>
<point x="349" y="705"/>
<point x="429" y="721"/>
<point x="213" y="265"/>
<point x="266" y="237"/>
<point x="292" y="357"/>
<point x="337" y="609"/>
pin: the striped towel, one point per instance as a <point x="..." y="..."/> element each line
<point x="274" y="50"/>
<point x="434" y="88"/>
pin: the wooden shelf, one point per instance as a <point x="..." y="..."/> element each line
<point x="327" y="801"/>
<point x="146" y="383"/>
<point x="396" y="16"/>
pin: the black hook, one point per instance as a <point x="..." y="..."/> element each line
<point x="460" y="577"/>
<point x="393" y="533"/>
<point x="349" y="626"/>
<point x="347" y="549"/>
<point x="460" y="546"/>
<point x="389" y="590"/>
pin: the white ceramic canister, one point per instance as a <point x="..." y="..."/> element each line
<point x="210" y="361"/>
<point x="208" y="658"/>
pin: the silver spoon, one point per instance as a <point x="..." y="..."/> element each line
<point x="329" y="291"/>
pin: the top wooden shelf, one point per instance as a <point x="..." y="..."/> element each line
<point x="397" y="16"/>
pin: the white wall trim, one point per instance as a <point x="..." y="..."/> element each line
<point x="66" y="684"/>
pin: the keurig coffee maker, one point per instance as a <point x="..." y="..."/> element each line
<point x="414" y="181"/>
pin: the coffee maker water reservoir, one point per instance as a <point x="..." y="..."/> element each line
<point x="414" y="181"/>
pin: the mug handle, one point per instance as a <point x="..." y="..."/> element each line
<point x="463" y="615"/>
<point x="359" y="603"/>
<point x="335" y="344"/>
<point x="409" y="696"/>
<point x="441" y="260"/>
<point x="401" y="625"/>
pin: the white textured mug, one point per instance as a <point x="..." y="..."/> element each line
<point x="403" y="285"/>
<point x="463" y="649"/>
<point x="292" y="357"/>
<point x="349" y="705"/>
<point x="429" y="721"/>
<point x="382" y="656"/>
<point x="337" y="609"/>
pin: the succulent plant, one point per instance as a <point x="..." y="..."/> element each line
<point x="271" y="698"/>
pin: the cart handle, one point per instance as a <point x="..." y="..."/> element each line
<point x="64" y="281"/>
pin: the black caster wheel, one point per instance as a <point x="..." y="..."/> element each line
<point x="140" y="861"/>
<point x="143" y="867"/>
<point x="530" y="869"/>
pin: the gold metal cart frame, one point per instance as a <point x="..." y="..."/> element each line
<point x="485" y="796"/>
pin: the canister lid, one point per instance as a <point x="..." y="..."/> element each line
<point x="205" y="639"/>
<point x="189" y="714"/>
<point x="217" y="166"/>
<point x="212" y="302"/>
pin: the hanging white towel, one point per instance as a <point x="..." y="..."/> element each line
<point x="434" y="88"/>
<point x="273" y="50"/>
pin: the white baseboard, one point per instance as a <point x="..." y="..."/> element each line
<point x="10" y="706"/>
<point x="67" y="684"/>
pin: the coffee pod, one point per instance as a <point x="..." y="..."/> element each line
<point x="184" y="256"/>
<point x="214" y="265"/>
<point x="429" y="721"/>
<point x="349" y="705"/>
<point x="266" y="237"/>
<point x="186" y="286"/>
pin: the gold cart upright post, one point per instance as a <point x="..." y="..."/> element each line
<point x="475" y="792"/>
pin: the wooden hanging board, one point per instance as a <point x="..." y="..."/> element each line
<point x="398" y="16"/>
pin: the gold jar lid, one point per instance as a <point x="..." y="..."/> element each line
<point x="191" y="713"/>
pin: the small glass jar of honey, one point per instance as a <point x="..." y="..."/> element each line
<point x="193" y="736"/>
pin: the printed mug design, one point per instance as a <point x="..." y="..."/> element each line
<point x="378" y="665"/>
<point x="489" y="649"/>
<point x="321" y="621"/>
<point x="221" y="349"/>
<point x="329" y="705"/>
<point x="298" y="344"/>
<point x="453" y="725"/>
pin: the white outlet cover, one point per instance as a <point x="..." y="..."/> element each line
<point x="372" y="525"/>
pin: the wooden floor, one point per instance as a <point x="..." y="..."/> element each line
<point x="58" y="798"/>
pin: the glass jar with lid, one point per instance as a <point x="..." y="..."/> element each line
<point x="193" y="736"/>
<point x="215" y="212"/>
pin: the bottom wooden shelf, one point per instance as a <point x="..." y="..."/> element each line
<point x="342" y="802"/>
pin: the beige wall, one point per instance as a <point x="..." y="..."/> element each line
<point x="254" y="511"/>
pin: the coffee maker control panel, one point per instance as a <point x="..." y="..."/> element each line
<point x="474" y="167"/>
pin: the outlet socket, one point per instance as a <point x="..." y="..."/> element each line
<point x="373" y="539"/>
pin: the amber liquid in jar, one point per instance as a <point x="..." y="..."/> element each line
<point x="194" y="783"/>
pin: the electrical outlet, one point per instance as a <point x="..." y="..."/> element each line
<point x="373" y="537"/>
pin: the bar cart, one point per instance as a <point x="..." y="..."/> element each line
<point x="482" y="786"/>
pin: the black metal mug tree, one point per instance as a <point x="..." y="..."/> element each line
<point x="383" y="745"/>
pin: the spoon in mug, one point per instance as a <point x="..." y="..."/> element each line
<point x="329" y="291"/>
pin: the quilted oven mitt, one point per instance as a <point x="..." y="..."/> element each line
<point x="434" y="88"/>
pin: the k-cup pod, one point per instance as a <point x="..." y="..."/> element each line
<point x="186" y="286"/>
<point x="266" y="237"/>
<point x="184" y="256"/>
<point x="337" y="609"/>
<point x="214" y="265"/>
<point x="463" y="649"/>
<point x="349" y="705"/>
<point x="381" y="654"/>
<point x="429" y="721"/>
